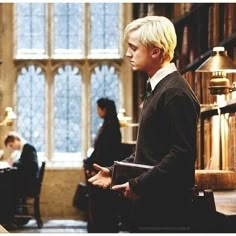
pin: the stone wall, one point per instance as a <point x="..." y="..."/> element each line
<point x="57" y="193"/>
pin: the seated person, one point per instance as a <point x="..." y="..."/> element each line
<point x="27" y="164"/>
<point x="20" y="183"/>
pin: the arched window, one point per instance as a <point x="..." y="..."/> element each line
<point x="31" y="105"/>
<point x="104" y="83"/>
<point x="79" y="48"/>
<point x="67" y="110"/>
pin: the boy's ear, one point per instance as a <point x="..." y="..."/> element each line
<point x="156" y="52"/>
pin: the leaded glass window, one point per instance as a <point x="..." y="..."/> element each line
<point x="67" y="110"/>
<point x="104" y="83"/>
<point x="72" y="42"/>
<point x="104" y="28"/>
<point x="68" y="28"/>
<point x="30" y="28"/>
<point x="31" y="105"/>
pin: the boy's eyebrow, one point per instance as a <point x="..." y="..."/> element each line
<point x="130" y="44"/>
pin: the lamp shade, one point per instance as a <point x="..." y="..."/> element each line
<point x="10" y="114"/>
<point x="219" y="61"/>
<point x="9" y="117"/>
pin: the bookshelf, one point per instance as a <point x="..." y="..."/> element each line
<point x="199" y="28"/>
<point x="226" y="116"/>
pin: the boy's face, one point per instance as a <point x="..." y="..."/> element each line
<point x="140" y="56"/>
<point x="15" y="145"/>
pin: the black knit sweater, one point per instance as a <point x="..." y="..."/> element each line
<point x="167" y="137"/>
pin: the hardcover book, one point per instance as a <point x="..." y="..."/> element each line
<point x="123" y="171"/>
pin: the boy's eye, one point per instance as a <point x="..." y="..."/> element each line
<point x="133" y="47"/>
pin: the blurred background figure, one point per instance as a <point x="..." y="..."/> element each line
<point x="21" y="180"/>
<point x="26" y="162"/>
<point x="102" y="212"/>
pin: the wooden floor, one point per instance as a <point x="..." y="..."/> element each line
<point x="54" y="226"/>
<point x="225" y="203"/>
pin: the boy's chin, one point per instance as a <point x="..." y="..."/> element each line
<point x="135" y="68"/>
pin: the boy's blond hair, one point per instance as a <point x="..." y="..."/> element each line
<point x="157" y="31"/>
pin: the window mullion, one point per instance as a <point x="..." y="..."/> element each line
<point x="49" y="83"/>
<point x="49" y="111"/>
<point x="49" y="29"/>
<point x="85" y="84"/>
<point x="86" y="29"/>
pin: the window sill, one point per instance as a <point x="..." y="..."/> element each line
<point x="62" y="161"/>
<point x="62" y="165"/>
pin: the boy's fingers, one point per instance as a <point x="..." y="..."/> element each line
<point x="119" y="187"/>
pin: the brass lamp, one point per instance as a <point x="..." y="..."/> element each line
<point x="123" y="119"/>
<point x="219" y="64"/>
<point x="9" y="117"/>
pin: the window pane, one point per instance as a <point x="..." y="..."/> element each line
<point x="67" y="27"/>
<point x="30" y="28"/>
<point x="67" y="110"/>
<point x="104" y="28"/>
<point x="104" y="83"/>
<point x="31" y="105"/>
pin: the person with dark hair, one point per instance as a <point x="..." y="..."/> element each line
<point x="108" y="140"/>
<point x="102" y="215"/>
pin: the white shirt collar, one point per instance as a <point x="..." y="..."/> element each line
<point x="23" y="142"/>
<point x="161" y="74"/>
